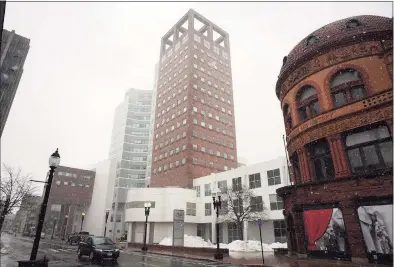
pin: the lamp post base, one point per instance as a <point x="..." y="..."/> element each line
<point x="144" y="248"/>
<point x="218" y="256"/>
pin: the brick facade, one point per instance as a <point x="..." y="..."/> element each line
<point x="370" y="55"/>
<point x="194" y="87"/>
<point x="72" y="190"/>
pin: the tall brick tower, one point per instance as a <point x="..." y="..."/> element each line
<point x="194" y="131"/>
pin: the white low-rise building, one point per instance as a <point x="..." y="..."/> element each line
<point x="262" y="179"/>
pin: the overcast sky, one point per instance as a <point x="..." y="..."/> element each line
<point x="84" y="56"/>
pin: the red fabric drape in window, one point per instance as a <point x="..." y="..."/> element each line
<point x="316" y="223"/>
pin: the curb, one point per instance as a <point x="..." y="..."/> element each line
<point x="200" y="259"/>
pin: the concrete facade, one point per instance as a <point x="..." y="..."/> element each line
<point x="129" y="146"/>
<point x="337" y="106"/>
<point x="165" y="200"/>
<point x="102" y="197"/>
<point x="194" y="125"/>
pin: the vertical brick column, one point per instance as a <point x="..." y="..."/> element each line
<point x="304" y="165"/>
<point x="299" y="233"/>
<point x="353" y="231"/>
<point x="337" y="148"/>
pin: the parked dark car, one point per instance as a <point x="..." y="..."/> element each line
<point x="77" y="237"/>
<point x="98" y="248"/>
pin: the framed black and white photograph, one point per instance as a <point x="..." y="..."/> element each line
<point x="376" y="222"/>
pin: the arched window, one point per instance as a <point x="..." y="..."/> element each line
<point x="347" y="86"/>
<point x="308" y="104"/>
<point x="287" y="117"/>
<point x="321" y="160"/>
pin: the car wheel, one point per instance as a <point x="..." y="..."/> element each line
<point x="91" y="255"/>
<point x="79" y="253"/>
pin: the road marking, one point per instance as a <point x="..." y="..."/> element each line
<point x="144" y="263"/>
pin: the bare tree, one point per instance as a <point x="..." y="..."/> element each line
<point x="14" y="186"/>
<point x="240" y="205"/>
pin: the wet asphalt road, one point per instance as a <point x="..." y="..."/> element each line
<point x="66" y="256"/>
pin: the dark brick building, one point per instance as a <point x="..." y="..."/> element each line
<point x="14" y="50"/>
<point x="194" y="134"/>
<point x="335" y="89"/>
<point x="71" y="194"/>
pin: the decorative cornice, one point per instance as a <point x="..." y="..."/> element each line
<point x="326" y="60"/>
<point x="380" y="98"/>
<point x="339" y="126"/>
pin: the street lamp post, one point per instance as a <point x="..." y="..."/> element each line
<point x="64" y="226"/>
<point x="217" y="204"/>
<point x="147" y="206"/>
<point x="54" y="162"/>
<point x="106" y="220"/>
<point x="54" y="225"/>
<point x="83" y="218"/>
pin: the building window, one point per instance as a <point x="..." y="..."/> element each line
<point x="321" y="160"/>
<point x="237" y="184"/>
<point x="308" y="104"/>
<point x="238" y="206"/>
<point x="234" y="233"/>
<point x="203" y="149"/>
<point x="311" y="40"/>
<point x="273" y="177"/>
<point x="207" y="189"/>
<point x="208" y="209"/>
<point x="224" y="209"/>
<point x="195" y="161"/>
<point x="183" y="161"/>
<point x="197" y="188"/>
<point x="195" y="147"/>
<point x="211" y="164"/>
<point x="190" y="209"/>
<point x="280" y="231"/>
<point x="353" y="23"/>
<point x="256" y="203"/>
<point x="222" y="185"/>
<point x="255" y="180"/>
<point x="369" y="149"/>
<point x="346" y="86"/>
<point x="276" y="202"/>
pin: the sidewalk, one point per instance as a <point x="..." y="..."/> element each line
<point x="270" y="260"/>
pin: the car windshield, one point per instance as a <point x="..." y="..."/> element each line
<point x="102" y="241"/>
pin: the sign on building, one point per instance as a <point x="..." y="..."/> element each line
<point x="178" y="228"/>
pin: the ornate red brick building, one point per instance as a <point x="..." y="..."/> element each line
<point x="335" y="89"/>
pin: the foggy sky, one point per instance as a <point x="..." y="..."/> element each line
<point x="84" y="56"/>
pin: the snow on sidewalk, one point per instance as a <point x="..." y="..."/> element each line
<point x="237" y="245"/>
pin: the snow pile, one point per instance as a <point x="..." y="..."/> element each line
<point x="189" y="241"/>
<point x="6" y="250"/>
<point x="252" y="246"/>
<point x="237" y="245"/>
